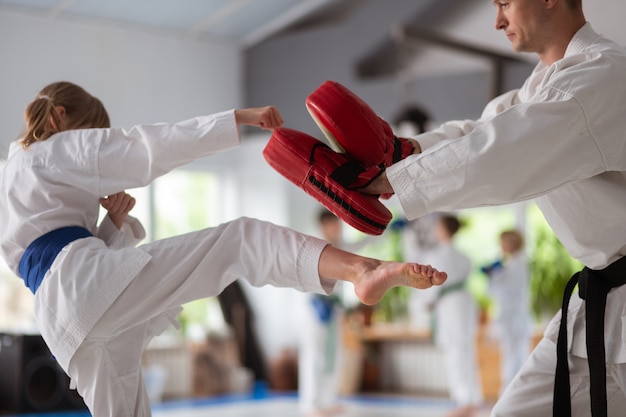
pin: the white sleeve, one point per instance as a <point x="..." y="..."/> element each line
<point x="520" y="153"/>
<point x="134" y="158"/>
<point x="458" y="128"/>
<point x="131" y="233"/>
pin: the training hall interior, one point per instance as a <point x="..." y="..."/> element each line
<point x="262" y="351"/>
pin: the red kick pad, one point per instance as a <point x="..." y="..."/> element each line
<point x="330" y="177"/>
<point x="354" y="128"/>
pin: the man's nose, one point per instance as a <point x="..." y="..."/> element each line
<point x="501" y="22"/>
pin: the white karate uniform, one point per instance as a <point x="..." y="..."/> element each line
<point x="456" y="319"/>
<point x="560" y="139"/>
<point x="321" y="351"/>
<point x="509" y="286"/>
<point x="319" y="359"/>
<point x="101" y="301"/>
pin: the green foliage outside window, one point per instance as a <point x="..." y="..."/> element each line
<point x="185" y="202"/>
<point x="551" y="267"/>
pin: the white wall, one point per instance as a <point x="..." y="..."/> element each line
<point x="140" y="77"/>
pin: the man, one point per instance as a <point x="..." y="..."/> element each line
<point x="560" y="139"/>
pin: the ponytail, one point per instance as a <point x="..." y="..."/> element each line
<point x="43" y="120"/>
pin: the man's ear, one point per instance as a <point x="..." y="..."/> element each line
<point x="550" y="4"/>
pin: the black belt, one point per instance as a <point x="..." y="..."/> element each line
<point x="594" y="286"/>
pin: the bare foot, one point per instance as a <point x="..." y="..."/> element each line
<point x="375" y="278"/>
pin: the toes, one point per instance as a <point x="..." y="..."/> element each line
<point x="426" y="270"/>
<point x="439" y="278"/>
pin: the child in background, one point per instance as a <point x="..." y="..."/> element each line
<point x="509" y="285"/>
<point x="455" y="319"/>
<point x="321" y="348"/>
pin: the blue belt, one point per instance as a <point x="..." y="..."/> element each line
<point x="40" y="254"/>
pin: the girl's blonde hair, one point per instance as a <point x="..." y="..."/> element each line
<point x="82" y="110"/>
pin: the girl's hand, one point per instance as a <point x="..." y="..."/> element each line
<point x="118" y="206"/>
<point x="268" y="117"/>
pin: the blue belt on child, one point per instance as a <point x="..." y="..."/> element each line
<point x="41" y="253"/>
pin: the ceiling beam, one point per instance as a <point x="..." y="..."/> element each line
<point x="416" y="37"/>
<point x="391" y="59"/>
<point x="388" y="57"/>
<point x="412" y="36"/>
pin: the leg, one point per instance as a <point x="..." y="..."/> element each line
<point x="311" y="358"/>
<point x="617" y="399"/>
<point x="463" y="380"/>
<point x="530" y="392"/>
<point x="460" y="354"/>
<point x="201" y="264"/>
<point x="319" y="358"/>
<point x="514" y="350"/>
<point x="107" y="374"/>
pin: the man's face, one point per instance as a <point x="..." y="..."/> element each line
<point x="525" y="23"/>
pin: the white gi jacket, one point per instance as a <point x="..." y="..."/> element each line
<point x="58" y="183"/>
<point x="561" y="139"/>
<point x="510" y="286"/>
<point x="455" y="310"/>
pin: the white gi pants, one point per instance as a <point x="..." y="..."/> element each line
<point x="456" y="327"/>
<point x="530" y="394"/>
<point x="319" y="360"/>
<point x="107" y="366"/>
<point x="514" y="350"/>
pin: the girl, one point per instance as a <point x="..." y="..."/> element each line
<point x="99" y="299"/>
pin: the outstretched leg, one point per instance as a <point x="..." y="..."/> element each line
<point x="202" y="264"/>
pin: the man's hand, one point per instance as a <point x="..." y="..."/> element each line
<point x="118" y="206"/>
<point x="264" y="117"/>
<point x="380" y="186"/>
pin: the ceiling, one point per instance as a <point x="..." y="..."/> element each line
<point x="249" y="22"/>
<point x="245" y="22"/>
